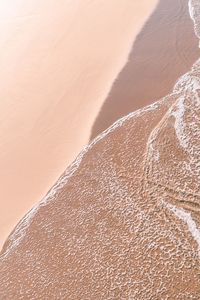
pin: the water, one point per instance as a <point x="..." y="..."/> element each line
<point x="165" y="49"/>
<point x="123" y="220"/>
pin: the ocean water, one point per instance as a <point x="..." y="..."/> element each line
<point x="165" y="49"/>
<point x="112" y="213"/>
<point x="185" y="111"/>
<point x="186" y="114"/>
<point x="174" y="166"/>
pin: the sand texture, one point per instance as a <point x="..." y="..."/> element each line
<point x="118" y="224"/>
<point x="58" y="62"/>
<point x="123" y="221"/>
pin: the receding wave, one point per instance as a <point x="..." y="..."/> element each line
<point x="186" y="112"/>
<point x="140" y="238"/>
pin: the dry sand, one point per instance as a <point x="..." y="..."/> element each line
<point x="123" y="221"/>
<point x="164" y="50"/>
<point x="58" y="62"/>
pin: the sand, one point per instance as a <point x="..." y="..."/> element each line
<point x="58" y="62"/>
<point x="123" y="221"/>
<point x="164" y="50"/>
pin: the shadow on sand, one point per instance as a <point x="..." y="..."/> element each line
<point x="165" y="49"/>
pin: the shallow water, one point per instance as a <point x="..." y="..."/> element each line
<point x="54" y="77"/>
<point x="165" y="49"/>
<point x="123" y="220"/>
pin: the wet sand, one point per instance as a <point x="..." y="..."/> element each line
<point x="165" y="49"/>
<point x="123" y="221"/>
<point x="58" y="62"/>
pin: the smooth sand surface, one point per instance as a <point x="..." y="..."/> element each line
<point x="58" y="62"/>
<point x="165" y="49"/>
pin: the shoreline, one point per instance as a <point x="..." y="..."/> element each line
<point x="55" y="77"/>
<point x="159" y="56"/>
<point x="123" y="220"/>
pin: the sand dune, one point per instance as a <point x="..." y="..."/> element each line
<point x="58" y="62"/>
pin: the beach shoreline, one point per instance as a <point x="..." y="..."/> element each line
<point x="58" y="63"/>
<point x="122" y="221"/>
<point x="165" y="49"/>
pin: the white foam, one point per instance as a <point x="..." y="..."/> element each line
<point x="191" y="10"/>
<point x="187" y="219"/>
<point x="20" y="230"/>
<point x="179" y="122"/>
<point x="194" y="9"/>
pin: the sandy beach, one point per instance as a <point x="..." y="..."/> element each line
<point x="164" y="50"/>
<point x="58" y="62"/>
<point x="123" y="220"/>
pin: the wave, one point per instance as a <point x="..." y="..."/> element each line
<point x="173" y="165"/>
<point x="168" y="177"/>
<point x="194" y="10"/>
<point x="186" y="106"/>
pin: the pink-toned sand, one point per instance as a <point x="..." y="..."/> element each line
<point x="123" y="220"/>
<point x="165" y="49"/>
<point x="58" y="62"/>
